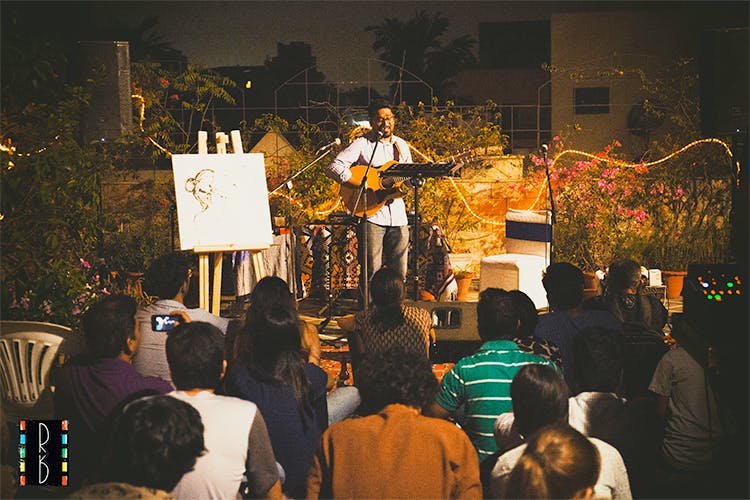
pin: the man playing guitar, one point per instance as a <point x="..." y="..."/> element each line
<point x="387" y="228"/>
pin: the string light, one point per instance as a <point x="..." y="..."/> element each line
<point x="9" y="148"/>
<point x="471" y="211"/>
<point x="621" y="163"/>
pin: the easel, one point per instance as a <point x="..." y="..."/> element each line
<point x="218" y="252"/>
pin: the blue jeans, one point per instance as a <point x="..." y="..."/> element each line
<point x="388" y="246"/>
<point x="342" y="402"/>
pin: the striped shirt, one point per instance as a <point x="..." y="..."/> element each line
<point x="482" y="382"/>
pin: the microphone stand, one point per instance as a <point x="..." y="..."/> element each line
<point x="290" y="219"/>
<point x="364" y="266"/>
<point x="553" y="211"/>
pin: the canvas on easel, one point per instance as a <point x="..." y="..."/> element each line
<point x="222" y="202"/>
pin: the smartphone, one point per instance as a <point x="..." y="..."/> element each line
<point x="164" y="322"/>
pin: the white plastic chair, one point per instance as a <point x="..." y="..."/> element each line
<point x="527" y="243"/>
<point x="28" y="350"/>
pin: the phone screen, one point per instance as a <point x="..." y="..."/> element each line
<point x="164" y="322"/>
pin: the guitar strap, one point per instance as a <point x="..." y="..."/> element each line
<point x="396" y="152"/>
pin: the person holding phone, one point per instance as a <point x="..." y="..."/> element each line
<point x="90" y="387"/>
<point x="167" y="279"/>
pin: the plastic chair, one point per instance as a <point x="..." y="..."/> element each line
<point x="528" y="235"/>
<point x="28" y="350"/>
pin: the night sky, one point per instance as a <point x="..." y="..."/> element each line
<point x="227" y="33"/>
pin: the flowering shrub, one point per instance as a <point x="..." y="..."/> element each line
<point x="62" y="292"/>
<point x="665" y="215"/>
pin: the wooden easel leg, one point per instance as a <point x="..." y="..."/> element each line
<point x="203" y="281"/>
<point x="216" y="299"/>
<point x="259" y="267"/>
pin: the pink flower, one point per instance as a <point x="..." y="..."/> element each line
<point x="174" y="97"/>
<point x="76" y="310"/>
<point x="85" y="264"/>
<point x="617" y="143"/>
<point x="641" y="168"/>
<point x="14" y="304"/>
<point x="47" y="309"/>
<point x="25" y="302"/>
<point x="105" y="291"/>
<point x="679" y="191"/>
<point x="556" y="138"/>
<point x="602" y="184"/>
<point x="164" y="82"/>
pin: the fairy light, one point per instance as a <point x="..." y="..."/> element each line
<point x="471" y="211"/>
<point x="328" y="212"/>
<point x="9" y="148"/>
<point x="626" y="164"/>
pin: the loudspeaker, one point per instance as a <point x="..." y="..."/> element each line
<point x="110" y="113"/>
<point x="454" y="321"/>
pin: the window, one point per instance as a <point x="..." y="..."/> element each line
<point x="592" y="100"/>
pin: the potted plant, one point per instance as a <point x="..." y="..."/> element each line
<point x="463" y="274"/>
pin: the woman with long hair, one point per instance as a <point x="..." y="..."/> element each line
<point x="558" y="462"/>
<point x="271" y="369"/>
<point x="389" y="322"/>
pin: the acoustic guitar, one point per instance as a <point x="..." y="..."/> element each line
<point x="382" y="186"/>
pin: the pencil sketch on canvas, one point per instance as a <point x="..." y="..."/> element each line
<point x="222" y="201"/>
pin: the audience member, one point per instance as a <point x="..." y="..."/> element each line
<point x="525" y="339"/>
<point x="271" y="371"/>
<point x="389" y="322"/>
<point x="395" y="452"/>
<point x="624" y="298"/>
<point x="599" y="411"/>
<point x="235" y="434"/>
<point x="167" y="279"/>
<point x="531" y="412"/>
<point x="481" y="382"/>
<point x="540" y="398"/>
<point x="559" y="462"/>
<point x="564" y="285"/>
<point x="87" y="390"/>
<point x="273" y="291"/>
<point x="643" y="318"/>
<point x="683" y="382"/>
<point x="154" y="441"/>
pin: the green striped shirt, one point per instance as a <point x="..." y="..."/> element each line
<point x="482" y="382"/>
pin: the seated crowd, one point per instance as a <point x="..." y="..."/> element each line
<point x="540" y="410"/>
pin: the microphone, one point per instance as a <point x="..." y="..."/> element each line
<point x="335" y="142"/>
<point x="544" y="148"/>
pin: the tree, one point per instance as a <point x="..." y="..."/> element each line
<point x="414" y="46"/>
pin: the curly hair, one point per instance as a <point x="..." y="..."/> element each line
<point x="395" y="376"/>
<point x="155" y="441"/>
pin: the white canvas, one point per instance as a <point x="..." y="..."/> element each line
<point x="222" y="201"/>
